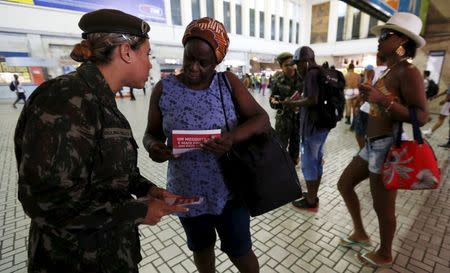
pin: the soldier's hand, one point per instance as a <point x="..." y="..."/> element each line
<point x="159" y="152"/>
<point x="160" y="193"/>
<point x="158" y="208"/>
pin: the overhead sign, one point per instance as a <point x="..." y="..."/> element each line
<point x="149" y="10"/>
<point x="392" y="6"/>
<point x="30" y="61"/>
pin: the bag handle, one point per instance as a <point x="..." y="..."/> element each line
<point x="229" y="89"/>
<point x="415" y="124"/>
<point x="223" y="105"/>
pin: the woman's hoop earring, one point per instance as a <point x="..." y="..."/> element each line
<point x="400" y="51"/>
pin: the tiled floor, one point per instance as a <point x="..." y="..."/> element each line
<point x="285" y="240"/>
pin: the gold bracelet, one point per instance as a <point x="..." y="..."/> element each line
<point x="389" y="106"/>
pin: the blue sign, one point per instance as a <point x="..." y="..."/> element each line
<point x="148" y="10"/>
<point x="411" y="6"/>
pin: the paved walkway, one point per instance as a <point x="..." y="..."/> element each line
<point x="285" y="240"/>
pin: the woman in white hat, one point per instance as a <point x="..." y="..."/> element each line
<point x="397" y="89"/>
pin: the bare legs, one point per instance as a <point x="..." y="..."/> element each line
<point x="354" y="173"/>
<point x="383" y="203"/>
<point x="205" y="261"/>
<point x="438" y="123"/>
<point x="246" y="264"/>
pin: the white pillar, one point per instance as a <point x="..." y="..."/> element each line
<point x="186" y="12"/>
<point x="333" y="21"/>
<point x="233" y="16"/>
<point x="364" y="26"/>
<point x="218" y="10"/>
<point x="348" y="25"/>
<point x="245" y="18"/>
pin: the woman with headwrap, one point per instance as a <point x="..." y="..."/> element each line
<point x="399" y="88"/>
<point x="193" y="100"/>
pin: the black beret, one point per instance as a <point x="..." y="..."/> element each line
<point x="113" y="21"/>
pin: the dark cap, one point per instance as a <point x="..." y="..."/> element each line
<point x="283" y="57"/>
<point x="304" y="53"/>
<point x="113" y="21"/>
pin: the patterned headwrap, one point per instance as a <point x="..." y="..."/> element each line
<point x="211" y="31"/>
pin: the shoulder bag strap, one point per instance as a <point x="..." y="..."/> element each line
<point x="221" y="99"/>
<point x="416" y="130"/>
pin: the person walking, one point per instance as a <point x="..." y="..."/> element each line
<point x="399" y="88"/>
<point x="445" y="112"/>
<point x="77" y="158"/>
<point x="284" y="86"/>
<point x="196" y="100"/>
<point x="20" y="92"/>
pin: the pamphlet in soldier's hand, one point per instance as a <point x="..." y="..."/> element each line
<point x="183" y="200"/>
<point x="295" y="96"/>
<point x="188" y="140"/>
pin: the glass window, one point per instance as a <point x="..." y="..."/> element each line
<point x="175" y="9"/>
<point x="195" y="9"/>
<point x="291" y="31"/>
<point x="238" y="19"/>
<point x="372" y="22"/>
<point x="252" y="22"/>
<point x="297" y="32"/>
<point x="342" y="12"/>
<point x="272" y="23"/>
<point x="261" y="24"/>
<point x="340" y="29"/>
<point x="356" y="24"/>
<point x="281" y="28"/>
<point x="227" y="16"/>
<point x="210" y="8"/>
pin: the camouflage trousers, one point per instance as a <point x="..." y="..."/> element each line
<point x="287" y="128"/>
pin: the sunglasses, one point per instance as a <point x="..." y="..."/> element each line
<point x="385" y="35"/>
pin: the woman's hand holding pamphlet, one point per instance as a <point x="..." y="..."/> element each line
<point x="188" y="140"/>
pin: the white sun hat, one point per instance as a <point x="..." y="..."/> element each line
<point x="406" y="23"/>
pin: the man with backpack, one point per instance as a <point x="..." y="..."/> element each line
<point x="20" y="92"/>
<point x="318" y="115"/>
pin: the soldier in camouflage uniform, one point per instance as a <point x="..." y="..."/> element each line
<point x="285" y="84"/>
<point x="77" y="158"/>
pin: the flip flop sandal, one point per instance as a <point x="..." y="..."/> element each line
<point x="347" y="242"/>
<point x="364" y="260"/>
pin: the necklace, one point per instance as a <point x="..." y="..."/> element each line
<point x="390" y="68"/>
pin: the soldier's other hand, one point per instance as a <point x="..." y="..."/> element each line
<point x="158" y="208"/>
<point x="160" y="193"/>
<point x="159" y="152"/>
<point x="218" y="146"/>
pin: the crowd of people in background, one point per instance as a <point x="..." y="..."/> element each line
<point x="77" y="158"/>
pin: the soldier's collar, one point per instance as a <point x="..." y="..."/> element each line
<point x="96" y="82"/>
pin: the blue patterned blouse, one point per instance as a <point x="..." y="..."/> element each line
<point x="196" y="173"/>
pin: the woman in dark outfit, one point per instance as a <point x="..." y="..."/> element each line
<point x="397" y="89"/>
<point x="77" y="158"/>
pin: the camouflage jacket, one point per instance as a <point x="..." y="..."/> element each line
<point x="284" y="87"/>
<point x="77" y="164"/>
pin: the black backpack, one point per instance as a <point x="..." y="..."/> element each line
<point x="330" y="108"/>
<point x="12" y="86"/>
<point x="432" y="90"/>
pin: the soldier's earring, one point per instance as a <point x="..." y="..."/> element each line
<point x="400" y="51"/>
